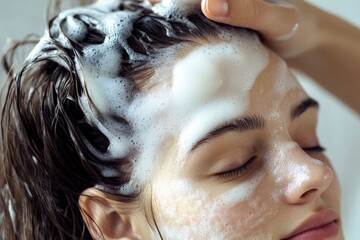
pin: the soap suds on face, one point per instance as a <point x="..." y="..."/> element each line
<point x="241" y="192"/>
<point x="190" y="95"/>
<point x="212" y="84"/>
<point x="204" y="216"/>
<point x="193" y="94"/>
<point x="197" y="100"/>
<point x="293" y="176"/>
<point x="283" y="84"/>
<point x="299" y="174"/>
<point x="206" y="119"/>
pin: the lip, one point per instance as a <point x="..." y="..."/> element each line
<point x="321" y="225"/>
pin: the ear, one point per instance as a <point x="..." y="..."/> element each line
<point x="104" y="217"/>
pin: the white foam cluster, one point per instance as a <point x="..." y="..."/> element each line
<point x="175" y="7"/>
<point x="241" y="192"/>
<point x="208" y="88"/>
<point x="194" y="94"/>
<point x="216" y="80"/>
<point x="194" y="214"/>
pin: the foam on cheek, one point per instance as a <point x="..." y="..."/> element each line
<point x="259" y="209"/>
<point x="195" y="214"/>
<point x="177" y="219"/>
<point x="241" y="192"/>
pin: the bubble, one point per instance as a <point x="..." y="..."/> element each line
<point x="187" y="110"/>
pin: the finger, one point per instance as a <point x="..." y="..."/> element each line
<point x="274" y="19"/>
<point x="154" y="1"/>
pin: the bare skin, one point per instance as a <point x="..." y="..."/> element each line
<point x="321" y="45"/>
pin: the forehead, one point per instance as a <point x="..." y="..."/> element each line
<point x="219" y="82"/>
<point x="217" y="70"/>
<point x="211" y="85"/>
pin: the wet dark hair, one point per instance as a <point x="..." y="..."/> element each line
<point x="45" y="162"/>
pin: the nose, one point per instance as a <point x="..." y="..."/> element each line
<point x="305" y="178"/>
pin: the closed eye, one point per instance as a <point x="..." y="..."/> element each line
<point x="237" y="172"/>
<point x="317" y="148"/>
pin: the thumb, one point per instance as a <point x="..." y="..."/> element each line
<point x="274" y="19"/>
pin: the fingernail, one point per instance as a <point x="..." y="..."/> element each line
<point x="290" y="34"/>
<point x="217" y="8"/>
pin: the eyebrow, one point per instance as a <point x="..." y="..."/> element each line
<point x="242" y="124"/>
<point x="254" y="122"/>
<point x="302" y="107"/>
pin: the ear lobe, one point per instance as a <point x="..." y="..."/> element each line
<point x="103" y="216"/>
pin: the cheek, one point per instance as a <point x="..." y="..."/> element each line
<point x="184" y="212"/>
<point x="252" y="217"/>
<point x="334" y="190"/>
<point x="181" y="211"/>
<point x="332" y="195"/>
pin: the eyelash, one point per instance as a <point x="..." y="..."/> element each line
<point x="237" y="171"/>
<point x="244" y="168"/>
<point x="317" y="148"/>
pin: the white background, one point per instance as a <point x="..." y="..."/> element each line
<point x="339" y="127"/>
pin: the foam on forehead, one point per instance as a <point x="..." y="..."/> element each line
<point x="99" y="36"/>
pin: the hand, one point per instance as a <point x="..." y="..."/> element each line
<point x="315" y="42"/>
<point x="290" y="27"/>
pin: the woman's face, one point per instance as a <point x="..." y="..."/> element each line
<point x="247" y="163"/>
